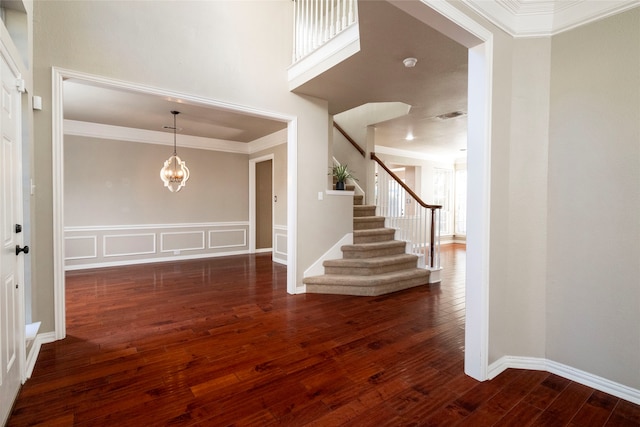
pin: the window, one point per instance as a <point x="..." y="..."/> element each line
<point x="460" y="214"/>
<point x="443" y="195"/>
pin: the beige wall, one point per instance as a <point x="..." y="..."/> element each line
<point x="519" y="168"/>
<point x="118" y="183"/>
<point x="593" y="284"/>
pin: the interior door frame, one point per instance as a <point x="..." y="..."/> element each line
<point x="455" y="24"/>
<point x="252" y="201"/>
<point x="59" y="75"/>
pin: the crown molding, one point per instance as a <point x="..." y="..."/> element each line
<point x="269" y="141"/>
<point x="536" y="18"/>
<point x="119" y="133"/>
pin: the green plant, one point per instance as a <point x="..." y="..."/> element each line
<point x="342" y="173"/>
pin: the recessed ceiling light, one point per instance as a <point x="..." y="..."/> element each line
<point x="410" y="62"/>
<point x="409" y="137"/>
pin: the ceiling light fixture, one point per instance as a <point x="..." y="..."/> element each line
<point x="410" y="62"/>
<point x="175" y="173"/>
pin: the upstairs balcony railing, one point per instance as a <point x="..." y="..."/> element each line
<point x="415" y="221"/>
<point x="318" y="21"/>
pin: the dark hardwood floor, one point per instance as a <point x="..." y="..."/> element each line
<point x="219" y="342"/>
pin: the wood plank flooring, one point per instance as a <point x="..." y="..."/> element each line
<point x="219" y="342"/>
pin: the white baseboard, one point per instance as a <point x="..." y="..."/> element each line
<point x="590" y="380"/>
<point x="32" y="357"/>
<point x="151" y="260"/>
<point x="274" y="258"/>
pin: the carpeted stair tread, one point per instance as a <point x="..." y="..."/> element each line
<point x="378" y="284"/>
<point x="373" y="249"/>
<point x="370" y="266"/>
<point x="371" y="261"/>
<point x="360" y="211"/>
<point x="373" y="235"/>
<point x="367" y="222"/>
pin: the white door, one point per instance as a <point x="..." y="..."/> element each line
<point x="11" y="265"/>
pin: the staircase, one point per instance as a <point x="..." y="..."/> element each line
<point x="375" y="264"/>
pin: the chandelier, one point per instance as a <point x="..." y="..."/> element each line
<point x="175" y="173"/>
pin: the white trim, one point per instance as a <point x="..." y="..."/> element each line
<point x="252" y="198"/>
<point x="32" y="357"/>
<point x="57" y="147"/>
<point x="545" y="19"/>
<point x="269" y="141"/>
<point x="153" y="260"/>
<point x="143" y="136"/>
<point x="58" y="75"/>
<point x="119" y="133"/>
<point x="590" y="380"/>
<point x="154" y="226"/>
<point x="292" y="207"/>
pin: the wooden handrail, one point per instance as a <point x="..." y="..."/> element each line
<point x="403" y="185"/>
<point x="346" y="135"/>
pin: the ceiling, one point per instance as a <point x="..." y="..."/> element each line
<point x="437" y="85"/>
<point x="119" y="107"/>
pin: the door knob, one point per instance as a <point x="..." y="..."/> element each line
<point x="19" y="249"/>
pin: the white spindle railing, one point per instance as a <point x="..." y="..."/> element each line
<point x="317" y="21"/>
<point x="415" y="222"/>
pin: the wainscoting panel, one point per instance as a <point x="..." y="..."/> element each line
<point x="182" y="241"/>
<point x="81" y="247"/>
<point x="129" y="244"/>
<point x="227" y="238"/>
<point x="279" y="254"/>
<point x="107" y="246"/>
